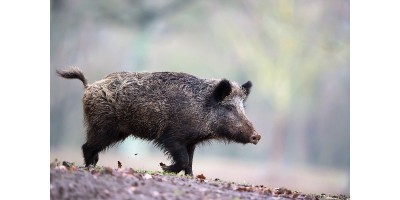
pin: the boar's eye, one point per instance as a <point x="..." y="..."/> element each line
<point x="230" y="107"/>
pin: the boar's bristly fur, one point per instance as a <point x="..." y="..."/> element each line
<point x="175" y="111"/>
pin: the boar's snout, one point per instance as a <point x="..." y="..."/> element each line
<point x="255" y="138"/>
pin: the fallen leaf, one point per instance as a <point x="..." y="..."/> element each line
<point x="244" y="189"/>
<point x="130" y="171"/>
<point x="267" y="191"/>
<point x="119" y="165"/>
<point x="73" y="168"/>
<point x="108" y="170"/>
<point x="67" y="164"/>
<point x="55" y="163"/>
<point x="201" y="177"/>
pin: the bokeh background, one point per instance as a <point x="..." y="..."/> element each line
<point x="296" y="53"/>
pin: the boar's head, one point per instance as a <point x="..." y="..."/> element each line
<point x="229" y="121"/>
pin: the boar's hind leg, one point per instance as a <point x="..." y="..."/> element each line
<point x="90" y="154"/>
<point x="190" y="149"/>
<point x="98" y="140"/>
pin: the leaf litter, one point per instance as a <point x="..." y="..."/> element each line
<point x="68" y="181"/>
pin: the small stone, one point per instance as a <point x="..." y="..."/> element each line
<point x="155" y="193"/>
<point x="62" y="168"/>
<point x="147" y="176"/>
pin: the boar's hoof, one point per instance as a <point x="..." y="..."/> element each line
<point x="172" y="168"/>
<point x="255" y="138"/>
<point x="189" y="172"/>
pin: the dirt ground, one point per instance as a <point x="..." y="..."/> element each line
<point x="68" y="181"/>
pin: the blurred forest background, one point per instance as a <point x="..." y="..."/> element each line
<point x="296" y="53"/>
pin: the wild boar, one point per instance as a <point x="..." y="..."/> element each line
<point x="176" y="111"/>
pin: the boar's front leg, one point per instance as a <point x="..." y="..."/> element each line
<point x="190" y="149"/>
<point x="180" y="158"/>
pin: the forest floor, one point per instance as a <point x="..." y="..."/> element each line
<point x="68" y="181"/>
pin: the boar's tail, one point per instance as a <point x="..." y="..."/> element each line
<point x="73" y="72"/>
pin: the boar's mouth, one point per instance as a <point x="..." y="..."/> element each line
<point x="239" y="137"/>
<point x="243" y="138"/>
<point x="246" y="138"/>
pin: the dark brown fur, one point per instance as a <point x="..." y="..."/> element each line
<point x="176" y="111"/>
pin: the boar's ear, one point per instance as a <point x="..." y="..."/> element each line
<point x="247" y="87"/>
<point x="222" y="90"/>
